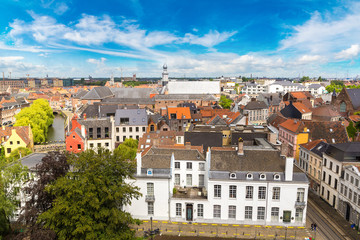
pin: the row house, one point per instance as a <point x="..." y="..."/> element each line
<point x="335" y="158"/>
<point x="178" y="118"/>
<point x="9" y="108"/>
<point x="310" y="161"/>
<point x="13" y="138"/>
<point x="243" y="185"/>
<point x="296" y="110"/>
<point x="257" y="112"/>
<point x="273" y="101"/>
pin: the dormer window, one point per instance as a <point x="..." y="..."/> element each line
<point x="232" y="175"/>
<point x="249" y="176"/>
<point x="276" y="176"/>
<point x="149" y="172"/>
<point x="262" y="176"/>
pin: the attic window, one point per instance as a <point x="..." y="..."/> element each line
<point x="138" y="111"/>
<point x="331" y="130"/>
<point x="249" y="176"/>
<point x="232" y="175"/>
<point x="143" y="119"/>
<point x="262" y="176"/>
<point x="277" y="177"/>
<point x="333" y="140"/>
<point x="149" y="172"/>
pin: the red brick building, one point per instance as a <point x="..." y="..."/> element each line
<point x="75" y="139"/>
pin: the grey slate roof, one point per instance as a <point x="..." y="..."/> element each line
<point x="320" y="148"/>
<point x="100" y="111"/>
<point x="345" y="152"/>
<point x="80" y="94"/>
<point x="254" y="105"/>
<point x="133" y="92"/>
<point x="129" y="101"/>
<point x="354" y="95"/>
<point x="32" y="160"/>
<point x="98" y="93"/>
<point x="137" y="117"/>
<point x="270" y="98"/>
<point x="315" y="86"/>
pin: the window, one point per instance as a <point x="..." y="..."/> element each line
<point x="300" y="195"/>
<point x="143" y="129"/>
<point x="324" y="162"/>
<point x="350" y="193"/>
<point x="217" y="191"/>
<point x="91" y="145"/>
<point x="150" y="208"/>
<point x="117" y="138"/>
<point x="248" y="212"/>
<point x="106" y="132"/>
<point x="329" y="180"/>
<point x="201" y="166"/>
<point x="91" y="132"/>
<point x="18" y="142"/>
<point x="130" y="129"/>
<point x="150" y="189"/>
<point x="11" y="143"/>
<point x="188" y="179"/>
<point x="274" y="214"/>
<point x="341" y="188"/>
<point x="232" y="212"/>
<point x="347" y="177"/>
<point x="217" y="211"/>
<point x="262" y="193"/>
<point x="331" y="165"/>
<point x="345" y="190"/>
<point x="276" y="193"/>
<point x="357" y="182"/>
<point x="117" y="129"/>
<point x="200" y="210"/>
<point x="177" y="165"/>
<point x="261" y="213"/>
<point x="137" y="129"/>
<point x="232" y="191"/>
<point x="124" y="138"/>
<point x="337" y="169"/>
<point x="249" y="192"/>
<point x="355" y="197"/>
<point x="98" y="132"/>
<point x="99" y="145"/>
<point x="178" y="209"/>
<point x="343" y="107"/>
<point x="299" y="215"/>
<point x="177" y="179"/>
<point x="124" y="129"/>
<point x="324" y="176"/>
<point x="79" y="146"/>
<point x="189" y="165"/>
<point x="352" y="179"/>
<point x="201" y="180"/>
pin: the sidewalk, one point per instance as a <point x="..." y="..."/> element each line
<point x="334" y="216"/>
<point x="223" y="230"/>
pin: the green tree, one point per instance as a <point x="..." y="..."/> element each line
<point x="39" y="116"/>
<point x="225" y="102"/>
<point x="127" y="150"/>
<point x="305" y="79"/>
<point x="19" y="153"/>
<point x="12" y="175"/>
<point x="351" y="130"/>
<point x="89" y="200"/>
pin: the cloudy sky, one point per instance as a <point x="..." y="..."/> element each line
<point x="199" y="38"/>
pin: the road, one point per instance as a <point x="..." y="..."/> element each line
<point x="325" y="229"/>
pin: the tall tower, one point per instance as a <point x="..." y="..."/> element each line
<point x="165" y="74"/>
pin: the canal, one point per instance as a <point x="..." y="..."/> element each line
<point x="57" y="130"/>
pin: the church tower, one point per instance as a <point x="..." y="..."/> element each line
<point x="165" y="75"/>
<point x="112" y="82"/>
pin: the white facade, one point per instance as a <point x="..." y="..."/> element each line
<point x="123" y="131"/>
<point x="194" y="87"/>
<point x="277" y="198"/>
<point x="331" y="172"/>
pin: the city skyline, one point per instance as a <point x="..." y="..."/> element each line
<point x="196" y="39"/>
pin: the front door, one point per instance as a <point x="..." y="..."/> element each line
<point x="287" y="216"/>
<point x="189" y="212"/>
<point x="347" y="213"/>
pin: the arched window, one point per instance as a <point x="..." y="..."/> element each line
<point x="343" y="107"/>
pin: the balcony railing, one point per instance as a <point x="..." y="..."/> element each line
<point x="300" y="204"/>
<point x="149" y="198"/>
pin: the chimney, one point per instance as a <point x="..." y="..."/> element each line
<point x="289" y="167"/>
<point x="247" y="119"/>
<point x="240" y="146"/>
<point x="83" y="131"/>
<point x="188" y="145"/>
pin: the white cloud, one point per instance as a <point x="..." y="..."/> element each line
<point x="60" y="8"/>
<point x="325" y="34"/>
<point x="11" y="58"/>
<point x="208" y="40"/>
<point x="349" y="53"/>
<point x="97" y="61"/>
<point x="310" y="58"/>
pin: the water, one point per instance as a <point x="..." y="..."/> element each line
<point x="57" y="130"/>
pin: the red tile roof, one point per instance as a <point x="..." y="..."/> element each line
<point x="293" y="125"/>
<point x="181" y="112"/>
<point x="310" y="145"/>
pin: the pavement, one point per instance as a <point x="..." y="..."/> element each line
<point x="333" y="217"/>
<point x="236" y="231"/>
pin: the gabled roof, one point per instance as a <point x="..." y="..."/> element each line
<point x="98" y="93"/>
<point x="301" y="107"/>
<point x="298" y="95"/>
<point x="254" y="105"/>
<point x="181" y="112"/>
<point x="216" y="120"/>
<point x="332" y="132"/>
<point x="293" y="125"/>
<point x="354" y="95"/>
<point x="324" y="112"/>
<point x="276" y="119"/>
<point x="310" y="145"/>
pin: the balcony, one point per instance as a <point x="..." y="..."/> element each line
<point x="149" y="198"/>
<point x="300" y="204"/>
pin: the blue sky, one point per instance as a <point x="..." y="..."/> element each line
<point x="75" y="38"/>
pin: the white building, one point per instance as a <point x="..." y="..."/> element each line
<point x="285" y="86"/>
<point x="193" y="87"/>
<point x="130" y="123"/>
<point x="251" y="185"/>
<point x="335" y="158"/>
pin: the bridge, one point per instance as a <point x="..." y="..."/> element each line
<point x="48" y="147"/>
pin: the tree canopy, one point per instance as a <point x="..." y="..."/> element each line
<point x="19" y="153"/>
<point x="225" y="102"/>
<point x="88" y="200"/>
<point x="39" y="115"/>
<point x="127" y="150"/>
